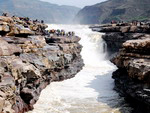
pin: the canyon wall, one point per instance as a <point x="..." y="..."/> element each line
<point x="30" y="60"/>
<point x="132" y="46"/>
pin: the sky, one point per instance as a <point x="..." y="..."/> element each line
<point x="77" y="3"/>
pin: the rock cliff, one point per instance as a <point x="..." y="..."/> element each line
<point x="30" y="60"/>
<point x="117" y="34"/>
<point x="132" y="79"/>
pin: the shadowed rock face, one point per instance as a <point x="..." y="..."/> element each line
<point x="133" y="61"/>
<point x="134" y="57"/>
<point x="117" y="34"/>
<point x="28" y="64"/>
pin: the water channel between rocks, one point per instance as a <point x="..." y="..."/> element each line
<point x="91" y="90"/>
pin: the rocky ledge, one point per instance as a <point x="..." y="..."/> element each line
<point x="132" y="44"/>
<point x="30" y="60"/>
<point x="117" y="34"/>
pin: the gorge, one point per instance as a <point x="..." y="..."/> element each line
<point x="29" y="55"/>
<point x="62" y="67"/>
<point x="91" y="90"/>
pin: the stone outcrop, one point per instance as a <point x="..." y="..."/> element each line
<point x="132" y="78"/>
<point x="117" y="34"/>
<point x="133" y="74"/>
<point x="15" y="26"/>
<point x="135" y="58"/>
<point x="30" y="60"/>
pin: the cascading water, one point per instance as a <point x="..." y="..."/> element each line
<point x="91" y="90"/>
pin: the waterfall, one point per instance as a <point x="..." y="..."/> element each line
<point x="91" y="90"/>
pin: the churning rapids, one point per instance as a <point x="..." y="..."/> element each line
<point x="91" y="90"/>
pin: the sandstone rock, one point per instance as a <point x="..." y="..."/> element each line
<point x="4" y="28"/>
<point x="63" y="39"/>
<point x="2" y="101"/>
<point x="125" y="29"/>
<point x="8" y="49"/>
<point x="138" y="46"/>
<point x="133" y="29"/>
<point x="29" y="63"/>
<point x="13" y="31"/>
<point x="15" y="26"/>
<point x="8" y="108"/>
<point x="110" y="29"/>
<point x="139" y="69"/>
<point x="25" y="31"/>
<point x="6" y="19"/>
<point x="133" y="61"/>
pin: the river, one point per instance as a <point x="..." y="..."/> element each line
<point x="91" y="90"/>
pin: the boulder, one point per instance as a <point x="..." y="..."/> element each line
<point x="8" y="49"/>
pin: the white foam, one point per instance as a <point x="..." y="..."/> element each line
<point x="81" y="93"/>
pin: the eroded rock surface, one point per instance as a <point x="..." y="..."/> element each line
<point x="117" y="34"/>
<point x="30" y="61"/>
<point x="132" y="78"/>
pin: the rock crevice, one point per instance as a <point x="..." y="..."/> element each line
<point x="29" y="62"/>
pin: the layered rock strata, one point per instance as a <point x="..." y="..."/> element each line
<point x="117" y="34"/>
<point x="30" y="61"/>
<point x="133" y="75"/>
<point x="132" y="78"/>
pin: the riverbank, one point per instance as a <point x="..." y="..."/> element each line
<point x="131" y="42"/>
<point x="30" y="60"/>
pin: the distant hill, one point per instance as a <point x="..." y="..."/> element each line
<point x="119" y="10"/>
<point x="50" y="13"/>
